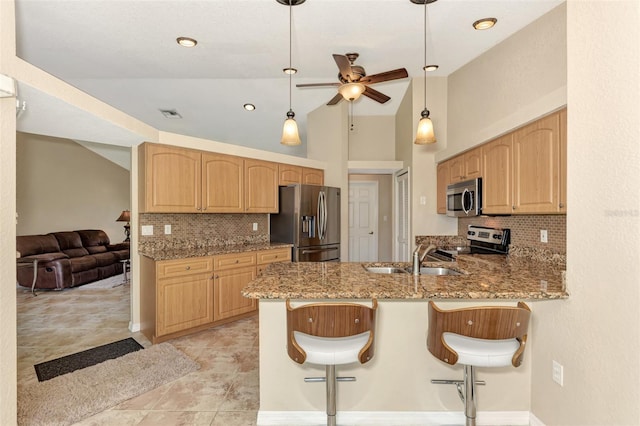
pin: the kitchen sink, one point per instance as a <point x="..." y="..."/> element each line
<point x="385" y="270"/>
<point x="425" y="270"/>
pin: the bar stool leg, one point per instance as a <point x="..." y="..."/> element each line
<point x="331" y="395"/>
<point x="470" y="395"/>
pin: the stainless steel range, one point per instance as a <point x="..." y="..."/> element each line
<point x="484" y="240"/>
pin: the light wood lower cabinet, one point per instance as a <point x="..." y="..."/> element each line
<point x="227" y="289"/>
<point x="267" y="257"/>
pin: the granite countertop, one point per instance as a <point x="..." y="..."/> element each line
<point x="483" y="277"/>
<point x="186" y="252"/>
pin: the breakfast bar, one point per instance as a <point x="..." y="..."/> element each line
<point x="395" y="386"/>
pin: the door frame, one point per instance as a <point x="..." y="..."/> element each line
<point x="397" y="256"/>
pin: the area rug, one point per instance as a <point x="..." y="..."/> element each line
<point x="72" y="397"/>
<point x="57" y="367"/>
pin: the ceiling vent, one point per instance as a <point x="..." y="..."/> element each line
<point x="171" y="113"/>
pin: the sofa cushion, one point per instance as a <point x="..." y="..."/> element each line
<point x="71" y="244"/>
<point x="94" y="240"/>
<point x="84" y="263"/>
<point x="29" y="245"/>
<point x="104" y="259"/>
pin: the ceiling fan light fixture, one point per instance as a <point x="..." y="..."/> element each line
<point x="187" y="41"/>
<point x="290" y="136"/>
<point x="484" y="23"/>
<point x="425" y="134"/>
<point x="351" y="91"/>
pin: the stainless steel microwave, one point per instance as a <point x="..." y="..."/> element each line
<point x="464" y="199"/>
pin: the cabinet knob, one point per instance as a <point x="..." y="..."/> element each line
<point x="198" y="208"/>
<point x="561" y="205"/>
<point x="204" y="208"/>
<point x="187" y="268"/>
<point x="237" y="261"/>
<point x="513" y="207"/>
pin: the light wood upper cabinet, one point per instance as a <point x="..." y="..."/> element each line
<point x="466" y="166"/>
<point x="496" y="179"/>
<point x="261" y="186"/>
<point x="170" y="179"/>
<point x="443" y="182"/>
<point x="312" y="176"/>
<point x="536" y="166"/>
<point x="562" y="198"/>
<point x="223" y="183"/>
<point x="289" y="174"/>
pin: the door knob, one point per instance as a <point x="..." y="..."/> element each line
<point x="371" y="233"/>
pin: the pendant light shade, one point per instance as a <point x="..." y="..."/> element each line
<point x="425" y="134"/>
<point x="290" y="135"/>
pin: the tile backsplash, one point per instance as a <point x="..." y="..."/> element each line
<point x="203" y="230"/>
<point x="525" y="230"/>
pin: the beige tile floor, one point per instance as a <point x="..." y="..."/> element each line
<point x="224" y="391"/>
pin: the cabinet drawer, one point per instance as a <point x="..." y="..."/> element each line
<point x="174" y="268"/>
<point x="276" y="255"/>
<point x="235" y="260"/>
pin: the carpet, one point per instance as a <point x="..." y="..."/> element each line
<point x="57" y="367"/>
<point x="72" y="397"/>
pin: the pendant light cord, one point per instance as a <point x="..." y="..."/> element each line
<point x="425" y="54"/>
<point x="290" y="69"/>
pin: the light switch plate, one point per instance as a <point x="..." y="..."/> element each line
<point x="543" y="236"/>
<point x="147" y="230"/>
<point x="167" y="229"/>
<point x="255" y="226"/>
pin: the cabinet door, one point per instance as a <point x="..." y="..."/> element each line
<point x="261" y="186"/>
<point x="222" y="183"/>
<point x="172" y="179"/>
<point x="496" y="183"/>
<point x="536" y="166"/>
<point x="456" y="169"/>
<point x="267" y="257"/>
<point x="562" y="198"/>
<point x="441" y="192"/>
<point x="312" y="176"/>
<point x="184" y="302"/>
<point x="288" y="174"/>
<point x="228" y="298"/>
<point x="473" y="164"/>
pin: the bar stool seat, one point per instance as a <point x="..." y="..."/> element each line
<point x="331" y="334"/>
<point x="484" y="336"/>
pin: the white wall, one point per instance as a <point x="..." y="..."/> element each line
<point x="515" y="82"/>
<point x="595" y="334"/>
<point x="372" y="138"/>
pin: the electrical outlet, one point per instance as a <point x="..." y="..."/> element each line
<point x="255" y="226"/>
<point x="147" y="230"/>
<point x="167" y="229"/>
<point x="557" y="373"/>
<point x="423" y="200"/>
<point x="543" y="236"/>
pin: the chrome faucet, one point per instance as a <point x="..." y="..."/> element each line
<point x="417" y="259"/>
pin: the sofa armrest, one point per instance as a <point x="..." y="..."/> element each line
<point x="119" y="246"/>
<point x="45" y="257"/>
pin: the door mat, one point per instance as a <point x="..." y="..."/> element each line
<point x="50" y="369"/>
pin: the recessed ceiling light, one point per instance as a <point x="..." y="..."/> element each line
<point x="186" y="41"/>
<point x="289" y="70"/>
<point x="249" y="107"/>
<point x="485" y="23"/>
<point x="430" y="68"/>
<point x="171" y="113"/>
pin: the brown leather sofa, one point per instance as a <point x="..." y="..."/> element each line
<point x="68" y="259"/>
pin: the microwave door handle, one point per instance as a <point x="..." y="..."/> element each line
<point x="464" y="201"/>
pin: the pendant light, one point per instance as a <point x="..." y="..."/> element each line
<point x="290" y="136"/>
<point x="425" y="134"/>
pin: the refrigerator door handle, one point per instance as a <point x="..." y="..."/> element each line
<point x="321" y="215"/>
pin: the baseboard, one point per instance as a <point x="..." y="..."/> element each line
<point x="534" y="421"/>
<point x="134" y="326"/>
<point x="393" y="418"/>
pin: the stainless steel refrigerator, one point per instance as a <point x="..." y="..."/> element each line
<point x="309" y="218"/>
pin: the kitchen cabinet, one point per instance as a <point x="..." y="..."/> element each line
<point x="261" y="186"/>
<point x="232" y="273"/>
<point x="496" y="180"/>
<point x="524" y="172"/>
<point x="466" y="166"/>
<point x="223" y="183"/>
<point x="170" y="179"/>
<point x="562" y="198"/>
<point x="184" y="294"/>
<point x="443" y="182"/>
<point x="266" y="257"/>
<point x="289" y="174"/>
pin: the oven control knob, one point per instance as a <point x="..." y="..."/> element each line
<point x="471" y="233"/>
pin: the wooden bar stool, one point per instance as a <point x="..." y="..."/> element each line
<point x="331" y="334"/>
<point x="485" y="336"/>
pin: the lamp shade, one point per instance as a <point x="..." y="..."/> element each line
<point x="351" y="91"/>
<point x="290" y="135"/>
<point x="425" y="134"/>
<point x="125" y="216"/>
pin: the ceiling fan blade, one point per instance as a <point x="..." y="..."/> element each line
<point x="318" y="85"/>
<point x="375" y="95"/>
<point x="344" y="66"/>
<point x="385" y="76"/>
<point x="337" y="98"/>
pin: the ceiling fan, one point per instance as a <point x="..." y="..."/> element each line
<point x="354" y="81"/>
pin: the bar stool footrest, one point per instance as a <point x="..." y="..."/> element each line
<point x="324" y="379"/>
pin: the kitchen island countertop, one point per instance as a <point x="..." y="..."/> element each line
<point x="187" y="252"/>
<point x="483" y="277"/>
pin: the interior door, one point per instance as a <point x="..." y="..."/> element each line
<point x="363" y="221"/>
